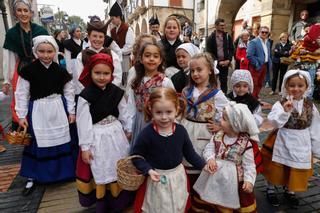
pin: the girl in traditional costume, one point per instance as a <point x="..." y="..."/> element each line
<point x="205" y="103"/>
<point x="72" y="47"/>
<point x="149" y="75"/>
<point x="17" y="48"/>
<point x="102" y="123"/>
<point x="242" y="88"/>
<point x="45" y="104"/>
<point x="230" y="157"/>
<point x="163" y="144"/>
<point x="183" y="54"/>
<point x="287" y="158"/>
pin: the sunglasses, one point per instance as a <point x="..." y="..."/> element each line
<point x="264" y="32"/>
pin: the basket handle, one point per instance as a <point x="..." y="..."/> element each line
<point x="135" y="156"/>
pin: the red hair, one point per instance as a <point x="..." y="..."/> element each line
<point x="168" y="94"/>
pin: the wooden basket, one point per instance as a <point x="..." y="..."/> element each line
<point x="129" y="177"/>
<point x="19" y="137"/>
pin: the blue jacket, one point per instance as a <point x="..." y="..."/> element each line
<point x="255" y="53"/>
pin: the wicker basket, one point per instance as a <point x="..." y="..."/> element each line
<point x="19" y="137"/>
<point x="129" y="178"/>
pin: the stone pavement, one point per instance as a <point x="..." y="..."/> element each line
<point x="62" y="197"/>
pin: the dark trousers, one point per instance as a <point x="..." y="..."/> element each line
<point x="276" y="67"/>
<point x="223" y="77"/>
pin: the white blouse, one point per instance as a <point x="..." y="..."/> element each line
<point x="248" y="163"/>
<point x="9" y="63"/>
<point x="85" y="126"/>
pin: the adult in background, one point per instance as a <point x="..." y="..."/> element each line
<point x="281" y="49"/>
<point x="219" y="45"/>
<point x="17" y="49"/>
<point x="170" y="42"/>
<point x="297" y="32"/>
<point x="123" y="35"/>
<point x="154" y="26"/>
<point x="241" y="51"/>
<point x="238" y="40"/>
<point x="60" y="36"/>
<point x="73" y="47"/>
<point x="187" y="32"/>
<point x="259" y="56"/>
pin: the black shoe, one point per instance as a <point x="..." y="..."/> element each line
<point x="273" y="199"/>
<point x="26" y="191"/>
<point x="292" y="200"/>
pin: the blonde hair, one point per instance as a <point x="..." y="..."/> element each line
<point x="172" y="18"/>
<point x="283" y="35"/>
<point x="137" y="44"/>
<point x="209" y="62"/>
<point x="168" y="94"/>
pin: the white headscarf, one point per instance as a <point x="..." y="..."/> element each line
<point x="302" y="74"/>
<point x="45" y="39"/>
<point x="190" y="48"/>
<point x="241" y="119"/>
<point x="242" y="75"/>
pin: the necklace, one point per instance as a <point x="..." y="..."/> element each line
<point x="28" y="55"/>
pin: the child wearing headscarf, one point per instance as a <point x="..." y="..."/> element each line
<point x="242" y="88"/>
<point x="230" y="157"/>
<point x="287" y="158"/>
<point x="45" y="105"/>
<point x="101" y="106"/>
<point x="184" y="52"/>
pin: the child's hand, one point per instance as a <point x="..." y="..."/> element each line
<point x="6" y="88"/>
<point x="155" y="176"/>
<point x="128" y="135"/>
<point x="72" y="118"/>
<point x="213" y="127"/>
<point x="86" y="156"/>
<point x="247" y="187"/>
<point x="23" y="122"/>
<point x="211" y="166"/>
<point x="287" y="106"/>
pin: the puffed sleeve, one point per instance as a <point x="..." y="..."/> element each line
<point x="9" y="63"/>
<point x="22" y="97"/>
<point x="209" y="151"/>
<point x="123" y="115"/>
<point x="67" y="57"/>
<point x="314" y="132"/>
<point x="249" y="166"/>
<point x="68" y="92"/>
<point x="131" y="105"/>
<point x="167" y="83"/>
<point x="278" y="117"/>
<point x="127" y="48"/>
<point x="78" y="68"/>
<point x="84" y="124"/>
<point x="117" y="72"/>
<point x="257" y="116"/>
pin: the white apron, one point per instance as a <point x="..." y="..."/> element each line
<point x="169" y="197"/>
<point x="199" y="136"/>
<point x="50" y="122"/>
<point x="220" y="188"/>
<point x="110" y="145"/>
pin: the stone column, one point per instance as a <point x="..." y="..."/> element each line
<point x="276" y="15"/>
